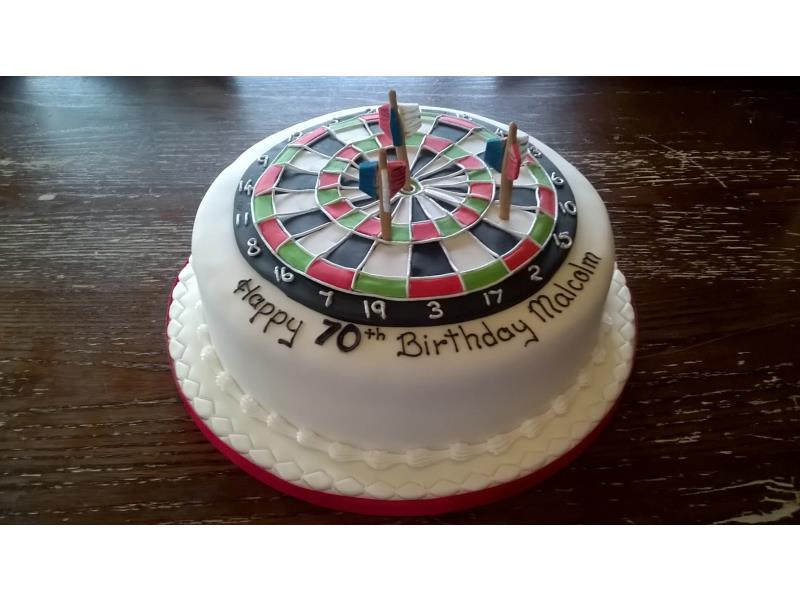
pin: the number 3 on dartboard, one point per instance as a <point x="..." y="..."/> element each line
<point x="436" y="310"/>
<point x="348" y="339"/>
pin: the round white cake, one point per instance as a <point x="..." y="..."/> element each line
<point x="462" y="334"/>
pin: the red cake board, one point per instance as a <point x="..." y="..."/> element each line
<point x="394" y="508"/>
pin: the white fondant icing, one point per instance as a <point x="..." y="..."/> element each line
<point x="379" y="458"/>
<point x="445" y="180"/>
<point x="473" y="143"/>
<point x="410" y="116"/>
<point x="310" y="161"/>
<point x="426" y="126"/>
<point x="389" y="260"/>
<point x="465" y="252"/>
<point x="295" y="202"/>
<point x="412" y="152"/>
<point x="401" y="213"/>
<point x="444" y="196"/>
<point x="324" y="239"/>
<point x="352" y="134"/>
<point x="354" y="194"/>
<point x="290" y="453"/>
<point x="438" y="163"/>
<point x="519" y="221"/>
<point x="373" y="398"/>
<point x="433" y="210"/>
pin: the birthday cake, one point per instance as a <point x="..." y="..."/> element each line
<point x="401" y="310"/>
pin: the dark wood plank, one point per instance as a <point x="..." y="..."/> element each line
<point x="99" y="183"/>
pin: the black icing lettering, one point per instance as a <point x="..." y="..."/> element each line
<point x="437" y="343"/>
<point x="468" y="336"/>
<point x="488" y="338"/>
<point x="590" y="261"/>
<point x="562" y="300"/>
<point x="290" y="342"/>
<point x="571" y="283"/>
<point x="546" y="307"/>
<point x="333" y="327"/>
<point x="244" y="286"/>
<point x="414" y="345"/>
<point x="571" y="295"/>
<point x="581" y="276"/>
<point x="263" y="311"/>
<point x="341" y="339"/>
<point x="504" y="334"/>
<point x="375" y="333"/>
<point x="267" y="309"/>
<point x="548" y="312"/>
<point x="249" y="292"/>
<point x="255" y="300"/>
<point x="581" y="269"/>
<point x="523" y="328"/>
<point x="274" y="319"/>
<point x="452" y="335"/>
<point x="408" y="344"/>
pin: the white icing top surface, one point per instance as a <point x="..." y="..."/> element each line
<point x="408" y="386"/>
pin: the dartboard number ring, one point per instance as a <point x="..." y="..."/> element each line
<point x="450" y="258"/>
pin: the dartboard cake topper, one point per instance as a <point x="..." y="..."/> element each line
<point x="393" y="309"/>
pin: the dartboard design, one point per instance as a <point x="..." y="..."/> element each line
<point x="302" y="221"/>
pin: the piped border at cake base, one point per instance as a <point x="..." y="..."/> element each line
<point x="285" y="465"/>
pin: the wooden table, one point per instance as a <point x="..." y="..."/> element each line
<point x="99" y="183"/>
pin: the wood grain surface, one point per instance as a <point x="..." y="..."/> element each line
<point x="100" y="180"/>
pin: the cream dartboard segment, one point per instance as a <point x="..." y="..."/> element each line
<point x="301" y="221"/>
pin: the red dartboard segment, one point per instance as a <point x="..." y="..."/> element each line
<point x="523" y="253"/>
<point x="333" y="275"/>
<point x="384" y="140"/>
<point x="273" y="233"/>
<point x="463" y="123"/>
<point x="267" y="180"/>
<point x="482" y="190"/>
<point x="338" y="209"/>
<point x="347" y="153"/>
<point x="547" y="200"/>
<point x="465" y="216"/>
<point x="327" y="179"/>
<point x="446" y="285"/>
<point x="310" y="136"/>
<point x="425" y="230"/>
<point x="371" y="226"/>
<point x="470" y="162"/>
<point x="436" y="144"/>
